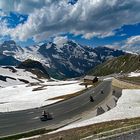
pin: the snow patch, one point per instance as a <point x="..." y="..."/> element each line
<point x="134" y="74"/>
<point x="18" y="74"/>
<point x="108" y="78"/>
<point x="128" y="106"/>
<point x="23" y="97"/>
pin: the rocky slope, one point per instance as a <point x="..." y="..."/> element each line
<point x="67" y="59"/>
<point x="34" y="67"/>
<point x="11" y="76"/>
<point x="8" y="60"/>
<point x="123" y="64"/>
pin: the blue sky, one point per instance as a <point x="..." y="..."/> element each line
<point x="95" y="23"/>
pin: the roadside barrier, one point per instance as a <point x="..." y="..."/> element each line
<point x="124" y="84"/>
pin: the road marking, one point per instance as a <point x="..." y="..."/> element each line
<point x="7" y="126"/>
<point x="30" y="112"/>
<point x="35" y="118"/>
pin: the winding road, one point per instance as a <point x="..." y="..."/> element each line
<point x="63" y="112"/>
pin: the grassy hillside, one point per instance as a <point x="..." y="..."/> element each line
<point x="126" y="63"/>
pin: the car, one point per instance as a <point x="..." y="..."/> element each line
<point x="46" y="117"/>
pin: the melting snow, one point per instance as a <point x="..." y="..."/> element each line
<point x="21" y="97"/>
<point x="128" y="106"/>
<point x="134" y="74"/>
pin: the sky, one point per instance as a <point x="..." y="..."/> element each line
<point x="111" y="23"/>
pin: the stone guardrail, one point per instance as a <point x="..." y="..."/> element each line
<point x="124" y="84"/>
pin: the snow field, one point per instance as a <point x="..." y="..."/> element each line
<point x="21" y="97"/>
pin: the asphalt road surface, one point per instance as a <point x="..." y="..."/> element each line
<point x="63" y="112"/>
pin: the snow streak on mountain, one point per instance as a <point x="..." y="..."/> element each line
<point x="66" y="59"/>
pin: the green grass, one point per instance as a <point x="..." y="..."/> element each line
<point x="78" y="133"/>
<point x="126" y="63"/>
<point x="26" y="135"/>
<point x="132" y="79"/>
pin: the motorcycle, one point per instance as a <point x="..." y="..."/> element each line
<point x="91" y="99"/>
<point x="46" y="116"/>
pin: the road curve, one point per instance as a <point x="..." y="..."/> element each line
<point x="63" y="112"/>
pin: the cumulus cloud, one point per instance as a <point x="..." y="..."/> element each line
<point x="134" y="40"/>
<point x="60" y="40"/>
<point x="87" y="17"/>
<point x="22" y="6"/>
<point x="2" y="14"/>
<point x="132" y="44"/>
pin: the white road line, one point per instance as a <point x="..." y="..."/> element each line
<point x="35" y="118"/>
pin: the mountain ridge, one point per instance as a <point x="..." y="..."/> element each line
<point x="68" y="59"/>
<point x="34" y="67"/>
<point x="123" y="64"/>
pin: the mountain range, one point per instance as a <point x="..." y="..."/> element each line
<point x="68" y="59"/>
<point x="122" y="64"/>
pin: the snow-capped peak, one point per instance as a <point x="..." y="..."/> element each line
<point x="64" y="56"/>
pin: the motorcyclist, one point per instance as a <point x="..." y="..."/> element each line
<point x="44" y="113"/>
<point x="91" y="99"/>
<point x="45" y="116"/>
<point x="102" y="91"/>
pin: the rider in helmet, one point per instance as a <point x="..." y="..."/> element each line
<point x="44" y="113"/>
<point x="91" y="98"/>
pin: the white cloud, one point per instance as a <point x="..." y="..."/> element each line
<point x="2" y="14"/>
<point x="87" y="17"/>
<point x="89" y="35"/>
<point x="3" y="28"/>
<point x="134" y="40"/>
<point x="60" y="40"/>
<point x="132" y="44"/>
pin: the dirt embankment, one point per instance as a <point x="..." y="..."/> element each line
<point x="124" y="85"/>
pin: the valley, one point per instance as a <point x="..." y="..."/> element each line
<point x="69" y="69"/>
<point x="50" y="77"/>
